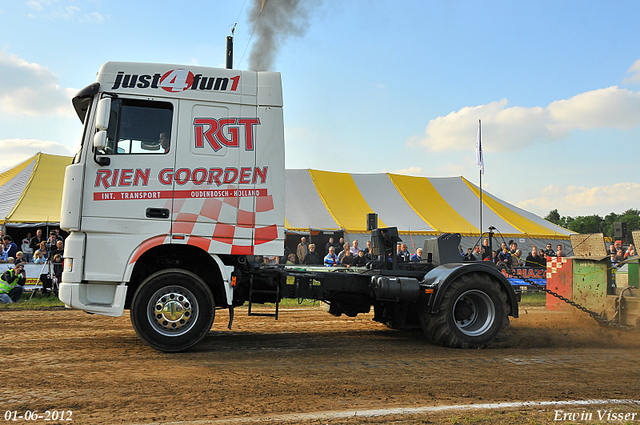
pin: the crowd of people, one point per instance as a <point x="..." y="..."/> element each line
<point x="36" y="250"/>
<point x="509" y="255"/>
<point x="618" y="254"/>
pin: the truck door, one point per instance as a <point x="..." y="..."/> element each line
<point x="215" y="167"/>
<point x="128" y="199"/>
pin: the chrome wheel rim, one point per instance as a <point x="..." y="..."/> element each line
<point x="172" y="310"/>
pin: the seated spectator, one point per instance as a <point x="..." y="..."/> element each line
<point x="268" y="260"/>
<point x="328" y="245"/>
<point x="468" y="256"/>
<point x="312" y="257"/>
<point x="368" y="254"/>
<point x="542" y="257"/>
<point x="417" y="257"/>
<point x="486" y="251"/>
<point x="345" y="248"/>
<point x="516" y="259"/>
<point x="331" y="259"/>
<point x="347" y="257"/>
<point x="614" y="263"/>
<point x="19" y="258"/>
<point x="38" y="258"/>
<point x="291" y="260"/>
<point x="12" y="284"/>
<point x="360" y="260"/>
<point x="44" y="250"/>
<point x="559" y="253"/>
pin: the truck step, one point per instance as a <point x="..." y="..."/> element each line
<point x="276" y="295"/>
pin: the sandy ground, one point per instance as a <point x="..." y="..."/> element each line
<point x="310" y="367"/>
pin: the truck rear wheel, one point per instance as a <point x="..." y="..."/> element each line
<point x="473" y="311"/>
<point x="172" y="310"/>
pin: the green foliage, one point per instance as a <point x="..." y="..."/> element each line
<point x="595" y="223"/>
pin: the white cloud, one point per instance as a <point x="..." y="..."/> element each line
<point x="15" y="151"/>
<point x="31" y="89"/>
<point x="515" y="128"/>
<point x="634" y="70"/>
<point x="574" y="201"/>
<point x="411" y="171"/>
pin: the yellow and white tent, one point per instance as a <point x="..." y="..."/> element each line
<point x="419" y="207"/>
<point x="31" y="192"/>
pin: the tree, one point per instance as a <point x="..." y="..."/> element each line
<point x="553" y="216"/>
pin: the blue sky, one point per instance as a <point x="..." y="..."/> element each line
<point x="369" y="87"/>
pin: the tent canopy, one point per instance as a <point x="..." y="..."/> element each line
<point x="31" y="192"/>
<point x="415" y="205"/>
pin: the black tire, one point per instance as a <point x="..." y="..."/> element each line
<point x="172" y="310"/>
<point x="473" y="311"/>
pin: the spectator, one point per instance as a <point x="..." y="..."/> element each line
<point x="302" y="250"/>
<point x="343" y="252"/>
<point x="549" y="252"/>
<point x="542" y="257"/>
<point x="504" y="256"/>
<point x="612" y="249"/>
<point x="59" y="249"/>
<point x="513" y="247"/>
<point x="328" y="245"/>
<point x="631" y="252"/>
<point x="38" y="258"/>
<point x="285" y="255"/>
<point x="399" y="251"/>
<point x="57" y="266"/>
<point x="516" y="259"/>
<point x="619" y="256"/>
<point x="347" y="256"/>
<point x="312" y="258"/>
<point x="26" y="248"/>
<point x="35" y="241"/>
<point x="268" y="260"/>
<point x="405" y="256"/>
<point x="12" y="284"/>
<point x="417" y="257"/>
<point x="559" y="253"/>
<point x="339" y="246"/>
<point x="486" y="251"/>
<point x="20" y="258"/>
<point x="354" y="248"/>
<point x="43" y="249"/>
<point x="3" y="254"/>
<point x="368" y="254"/>
<point x="360" y="260"/>
<point x="10" y="246"/>
<point x="468" y="256"/>
<point x="618" y="245"/>
<point x="532" y="259"/>
<point x="331" y="259"/>
<point x="291" y="260"/>
<point x="614" y="262"/>
<point x="477" y="255"/>
<point x="51" y="242"/>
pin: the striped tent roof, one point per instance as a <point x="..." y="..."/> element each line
<point x="419" y="205"/>
<point x="31" y="192"/>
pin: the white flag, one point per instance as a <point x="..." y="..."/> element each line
<point x="479" y="158"/>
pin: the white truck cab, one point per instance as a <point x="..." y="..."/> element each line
<point x="181" y="168"/>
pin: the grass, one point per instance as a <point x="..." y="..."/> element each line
<point x="37" y="302"/>
<point x="534" y="299"/>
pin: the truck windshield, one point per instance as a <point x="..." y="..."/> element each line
<point x="139" y="127"/>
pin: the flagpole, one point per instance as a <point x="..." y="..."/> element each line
<point x="480" y="161"/>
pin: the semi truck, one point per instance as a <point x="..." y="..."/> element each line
<point x="178" y="187"/>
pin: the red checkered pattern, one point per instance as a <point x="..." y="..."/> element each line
<point x="554" y="264"/>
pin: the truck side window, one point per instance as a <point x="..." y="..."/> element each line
<point x="139" y="127"/>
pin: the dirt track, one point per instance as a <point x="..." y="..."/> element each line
<point x="310" y="363"/>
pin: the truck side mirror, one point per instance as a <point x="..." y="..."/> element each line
<point x="100" y="140"/>
<point x="102" y="115"/>
<point x="99" y="145"/>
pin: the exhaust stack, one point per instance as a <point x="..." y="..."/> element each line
<point x="230" y="52"/>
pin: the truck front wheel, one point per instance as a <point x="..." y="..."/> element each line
<point x="172" y="310"/>
<point x="473" y="311"/>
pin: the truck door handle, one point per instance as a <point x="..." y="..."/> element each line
<point x="157" y="213"/>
